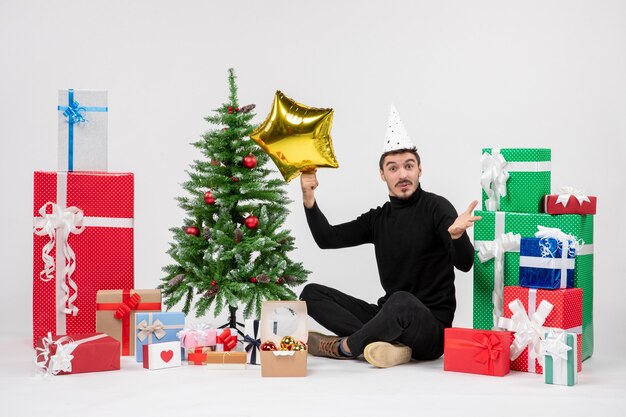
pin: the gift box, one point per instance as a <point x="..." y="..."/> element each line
<point x="280" y="319"/>
<point x="474" y="351"/>
<point x="198" y="335"/>
<point x="82" y="243"/>
<point x="77" y="353"/>
<point x="116" y="313"/>
<point x="252" y="341"/>
<point x="546" y="263"/>
<point x="569" y="201"/>
<point x="83" y="123"/>
<point x="496" y="262"/>
<point x="560" y="353"/>
<point x="156" y="328"/>
<point x="226" y="339"/>
<point x="198" y="355"/>
<point x="225" y="360"/>
<point x="515" y="179"/>
<point x="161" y="355"/>
<point x="530" y="313"/>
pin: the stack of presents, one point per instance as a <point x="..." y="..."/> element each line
<point x="533" y="274"/>
<point x="86" y="312"/>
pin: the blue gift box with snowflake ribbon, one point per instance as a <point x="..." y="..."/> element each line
<point x="547" y="263"/>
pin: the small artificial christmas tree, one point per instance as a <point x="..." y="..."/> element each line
<point x="231" y="250"/>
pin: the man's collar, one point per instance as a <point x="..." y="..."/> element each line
<point x="405" y="202"/>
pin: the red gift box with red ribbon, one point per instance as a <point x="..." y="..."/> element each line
<point x="530" y="313"/>
<point x="116" y="310"/>
<point x="475" y="351"/>
<point x="77" y="353"/>
<point x="82" y="243"/>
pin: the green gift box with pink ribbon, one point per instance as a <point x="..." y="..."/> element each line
<point x="515" y="179"/>
<point x="497" y="262"/>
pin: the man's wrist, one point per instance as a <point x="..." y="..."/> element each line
<point x="309" y="201"/>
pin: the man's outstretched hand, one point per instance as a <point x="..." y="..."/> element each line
<point x="464" y="221"/>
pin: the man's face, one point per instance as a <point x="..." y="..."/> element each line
<point x="401" y="173"/>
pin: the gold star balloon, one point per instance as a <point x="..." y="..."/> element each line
<point x="296" y="137"/>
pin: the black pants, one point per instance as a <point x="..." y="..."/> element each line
<point x="403" y="318"/>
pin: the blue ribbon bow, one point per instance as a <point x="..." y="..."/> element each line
<point x="73" y="112"/>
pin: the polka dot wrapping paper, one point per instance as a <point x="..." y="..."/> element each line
<point x="103" y="251"/>
<point x="566" y="314"/>
<point x="528" y="182"/>
<point x="496" y="223"/>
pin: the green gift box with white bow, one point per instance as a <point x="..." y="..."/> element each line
<point x="559" y="350"/>
<point x="515" y="179"/>
<point x="496" y="262"/>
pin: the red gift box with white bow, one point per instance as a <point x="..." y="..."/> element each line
<point x="569" y="201"/>
<point x="82" y="243"/>
<point x="77" y="353"/>
<point x="530" y="313"/>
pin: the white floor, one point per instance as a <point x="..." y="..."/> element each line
<point x="332" y="388"/>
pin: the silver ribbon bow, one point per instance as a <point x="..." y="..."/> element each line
<point x="493" y="178"/>
<point x="566" y="192"/>
<point x="57" y="226"/>
<point x="61" y="361"/>
<point x="554" y="345"/>
<point x="528" y="330"/>
<point x="156" y="328"/>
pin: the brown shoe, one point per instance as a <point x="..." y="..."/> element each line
<point x="385" y="355"/>
<point x="323" y="345"/>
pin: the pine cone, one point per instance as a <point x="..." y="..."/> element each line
<point x="262" y="278"/>
<point x="211" y="292"/>
<point x="247" y="108"/>
<point x="290" y="279"/>
<point x="206" y="232"/>
<point x="176" y="280"/>
<point x="238" y="235"/>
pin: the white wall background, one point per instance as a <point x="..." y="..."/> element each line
<point x="463" y="75"/>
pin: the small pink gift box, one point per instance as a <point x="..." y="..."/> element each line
<point x="198" y="335"/>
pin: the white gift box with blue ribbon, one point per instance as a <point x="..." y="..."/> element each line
<point x="252" y="341"/>
<point x="83" y="130"/>
<point x="547" y="261"/>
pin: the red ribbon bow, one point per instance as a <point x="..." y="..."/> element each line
<point x="126" y="307"/>
<point x="490" y="348"/>
<point x="227" y="339"/>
